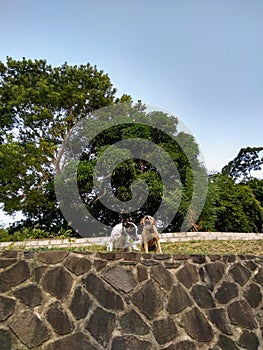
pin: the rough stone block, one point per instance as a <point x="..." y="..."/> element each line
<point x="226" y="343"/>
<point x="119" y="278"/>
<point x="240" y="274"/>
<point x="251" y="265"/>
<point x="214" y="257"/>
<point x="128" y="342"/>
<point x="149" y="299"/>
<point x="58" y="282"/>
<point x="52" y="256"/>
<point x="172" y="264"/>
<point x="178" y="300"/>
<point x="253" y="295"/>
<point x="59" y="319"/>
<point x="241" y="314"/>
<point x="7" y="308"/>
<point x="226" y="292"/>
<point x="6" y="339"/>
<point x="164" y="330"/>
<point x="14" y="275"/>
<point x="80" y="303"/>
<point x="132" y="323"/>
<point x="162" y="276"/>
<point x="182" y="345"/>
<point x="149" y="262"/>
<point x="30" y="295"/>
<point x="132" y="256"/>
<point x="101" y="325"/>
<point x="259" y="276"/>
<point x="109" y="256"/>
<point x="197" y="326"/>
<point x="77" y="265"/>
<point x="99" y="264"/>
<point x="78" y="341"/>
<point x="229" y="258"/>
<point x="39" y="273"/>
<point x="29" y="329"/>
<point x="249" y="341"/>
<point x="198" y="258"/>
<point x="188" y="275"/>
<point x="180" y="257"/>
<point x="215" y="271"/>
<point x="105" y="296"/>
<point x="142" y="273"/>
<point x="10" y="254"/>
<point x="161" y="256"/>
<point x="202" y="296"/>
<point x="7" y="262"/>
<point x="219" y="318"/>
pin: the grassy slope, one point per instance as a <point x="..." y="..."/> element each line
<point x="251" y="247"/>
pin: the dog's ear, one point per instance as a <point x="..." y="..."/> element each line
<point x="154" y="222"/>
<point x="142" y="221"/>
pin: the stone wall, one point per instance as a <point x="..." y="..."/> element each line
<point x="65" y="300"/>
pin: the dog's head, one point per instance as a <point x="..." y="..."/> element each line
<point x="131" y="229"/>
<point x="148" y="222"/>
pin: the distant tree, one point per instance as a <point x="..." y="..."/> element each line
<point x="208" y="217"/>
<point x="256" y="186"/>
<point x="238" y="210"/>
<point x="247" y="160"/>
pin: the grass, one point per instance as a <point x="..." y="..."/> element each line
<point x="237" y="247"/>
<point x="249" y="247"/>
<point x="209" y="247"/>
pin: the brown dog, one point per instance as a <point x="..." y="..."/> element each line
<point x="150" y="235"/>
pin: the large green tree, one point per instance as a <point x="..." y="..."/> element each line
<point x="39" y="104"/>
<point x="175" y="178"/>
<point x="39" y="107"/>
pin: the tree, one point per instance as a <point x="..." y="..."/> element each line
<point x="256" y="186"/>
<point x="39" y="104"/>
<point x="41" y="107"/>
<point x="171" y="170"/>
<point x="238" y="210"/>
<point x="247" y="160"/>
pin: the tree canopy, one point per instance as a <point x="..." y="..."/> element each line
<point x="41" y="104"/>
<point x="57" y="123"/>
<point x="248" y="159"/>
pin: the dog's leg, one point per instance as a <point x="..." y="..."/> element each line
<point x="109" y="247"/>
<point x="146" y="247"/>
<point x="159" y="249"/>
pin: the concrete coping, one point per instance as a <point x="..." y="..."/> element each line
<point x="165" y="237"/>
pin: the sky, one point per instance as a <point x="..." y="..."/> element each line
<point x="200" y="60"/>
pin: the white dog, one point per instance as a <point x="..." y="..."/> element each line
<point x="124" y="236"/>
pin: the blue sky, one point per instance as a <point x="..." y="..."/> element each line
<point x="201" y="60"/>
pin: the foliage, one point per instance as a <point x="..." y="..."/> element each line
<point x="237" y="208"/>
<point x="132" y="171"/>
<point x="207" y="220"/>
<point x="247" y="160"/>
<point x="24" y="233"/>
<point x="39" y="104"/>
<point x="39" y="107"/>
